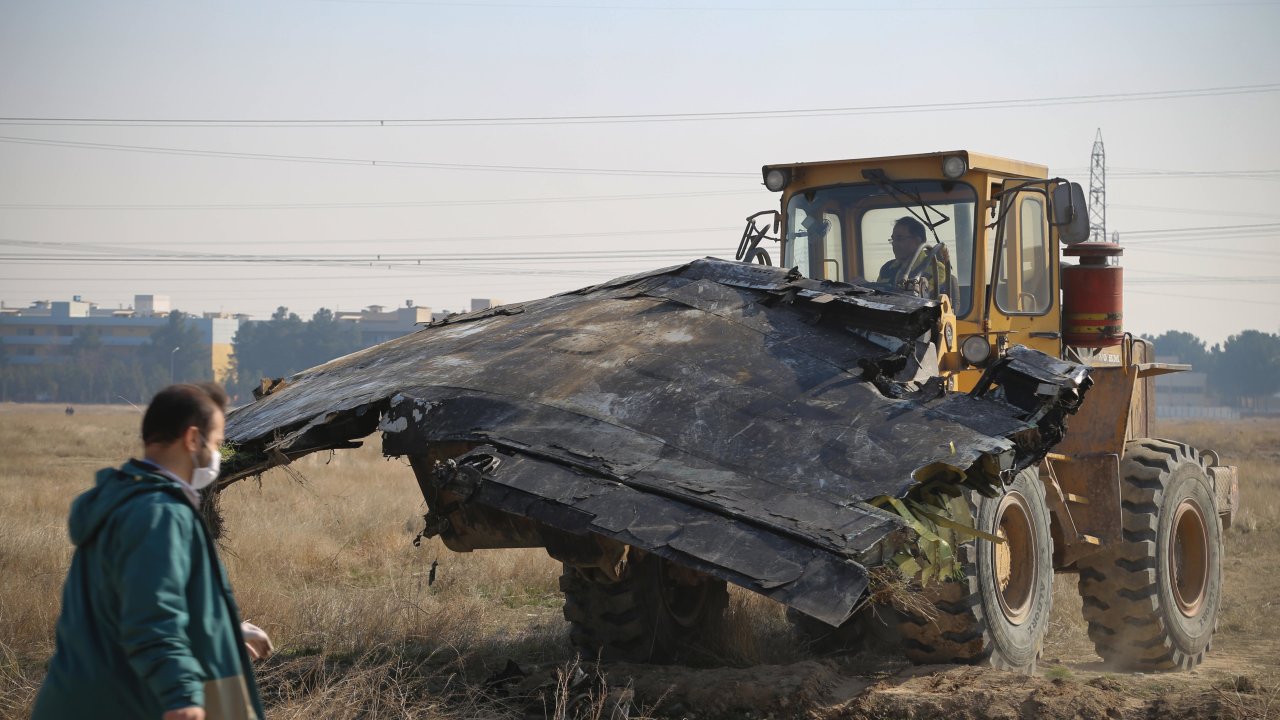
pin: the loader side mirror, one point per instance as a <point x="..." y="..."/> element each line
<point x="1070" y="213"/>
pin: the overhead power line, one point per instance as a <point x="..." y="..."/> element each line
<point x="1204" y="232"/>
<point x="1197" y="173"/>
<point x="1190" y="211"/>
<point x="1150" y="174"/>
<point x="799" y="8"/>
<point x="1141" y="96"/>
<point x="1201" y="234"/>
<point x="1184" y="296"/>
<point x="373" y="163"/>
<point x="368" y="205"/>
<point x="148" y="149"/>
<point x="81" y="253"/>
<point x="59" y="251"/>
<point x="54" y="252"/>
<point x="168" y="245"/>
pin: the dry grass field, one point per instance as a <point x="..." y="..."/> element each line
<point x="323" y="558"/>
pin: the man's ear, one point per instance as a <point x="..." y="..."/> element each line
<point x="191" y="439"/>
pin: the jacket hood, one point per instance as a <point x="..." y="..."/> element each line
<point x="112" y="487"/>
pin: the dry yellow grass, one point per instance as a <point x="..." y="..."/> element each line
<point x="329" y="563"/>
<point x="322" y="557"/>
<point x="328" y="567"/>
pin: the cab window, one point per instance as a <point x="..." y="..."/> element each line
<point x="817" y="247"/>
<point x="1023" y="283"/>
<point x="877" y="228"/>
<point x="841" y="232"/>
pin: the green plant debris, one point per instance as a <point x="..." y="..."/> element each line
<point x="941" y="519"/>
<point x="1058" y="672"/>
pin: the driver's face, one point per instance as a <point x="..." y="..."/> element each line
<point x="904" y="244"/>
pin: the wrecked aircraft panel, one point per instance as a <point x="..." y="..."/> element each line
<point x="729" y="417"/>
<point x="784" y="564"/>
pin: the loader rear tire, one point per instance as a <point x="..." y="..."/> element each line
<point x="656" y="612"/>
<point x="998" y="613"/>
<point x="1152" y="600"/>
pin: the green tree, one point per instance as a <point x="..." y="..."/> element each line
<point x="265" y="349"/>
<point x="284" y="345"/>
<point x="87" y="366"/>
<point x="175" y="347"/>
<point x="1248" y="366"/>
<point x="326" y="338"/>
<point x="6" y="372"/>
<point x="1186" y="347"/>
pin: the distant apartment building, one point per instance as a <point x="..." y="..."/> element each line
<point x="378" y="324"/>
<point x="477" y="305"/>
<point x="44" y="332"/>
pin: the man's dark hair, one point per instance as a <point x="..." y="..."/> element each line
<point x="914" y="227"/>
<point x="178" y="407"/>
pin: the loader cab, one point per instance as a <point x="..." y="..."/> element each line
<point x="990" y="224"/>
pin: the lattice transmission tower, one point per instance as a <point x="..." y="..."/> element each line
<point x="1098" y="191"/>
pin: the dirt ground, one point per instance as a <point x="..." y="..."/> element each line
<point x="852" y="690"/>
<point x="1239" y="679"/>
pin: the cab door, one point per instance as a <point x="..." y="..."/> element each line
<point x="818" y="243"/>
<point x="1023" y="290"/>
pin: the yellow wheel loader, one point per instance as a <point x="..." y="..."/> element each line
<point x="898" y="384"/>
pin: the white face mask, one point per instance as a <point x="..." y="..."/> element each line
<point x="202" y="476"/>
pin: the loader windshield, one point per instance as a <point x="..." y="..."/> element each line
<point x="842" y="232"/>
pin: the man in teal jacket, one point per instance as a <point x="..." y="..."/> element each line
<point x="149" y="627"/>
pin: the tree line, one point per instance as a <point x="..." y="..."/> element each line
<point x="286" y="344"/>
<point x="1245" y="366"/>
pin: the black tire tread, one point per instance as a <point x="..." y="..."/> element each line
<point x="601" y="616"/>
<point x="1119" y="587"/>
<point x="624" y="620"/>
<point x="959" y="633"/>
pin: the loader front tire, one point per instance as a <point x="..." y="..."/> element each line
<point x="1152" y="600"/>
<point x="998" y="613"/>
<point x="656" y="612"/>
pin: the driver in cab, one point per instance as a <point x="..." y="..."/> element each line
<point x="913" y="267"/>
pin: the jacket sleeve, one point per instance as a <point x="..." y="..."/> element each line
<point x="154" y="544"/>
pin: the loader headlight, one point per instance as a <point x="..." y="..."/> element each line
<point x="776" y="179"/>
<point x="953" y="166"/>
<point x="975" y="349"/>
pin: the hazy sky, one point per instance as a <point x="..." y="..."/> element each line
<point x="432" y="220"/>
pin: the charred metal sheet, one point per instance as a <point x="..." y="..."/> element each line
<point x="730" y="417"/>
<point x="783" y="566"/>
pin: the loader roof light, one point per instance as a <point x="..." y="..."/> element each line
<point x="953" y="166"/>
<point x="975" y="349"/>
<point x="776" y="179"/>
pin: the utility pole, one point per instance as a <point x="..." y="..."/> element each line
<point x="1098" y="191"/>
<point x="172" y="354"/>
